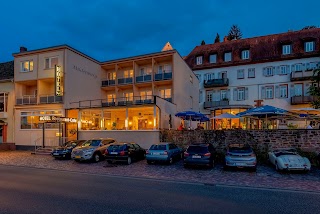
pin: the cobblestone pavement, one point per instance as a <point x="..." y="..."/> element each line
<point x="265" y="177"/>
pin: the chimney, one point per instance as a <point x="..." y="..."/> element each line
<point x="23" y="49"/>
<point x="225" y="39"/>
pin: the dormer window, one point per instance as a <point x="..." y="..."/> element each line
<point x="199" y="60"/>
<point x="309" y="46"/>
<point x="213" y="58"/>
<point x="286" y="49"/>
<point x="227" y="56"/>
<point x="245" y="54"/>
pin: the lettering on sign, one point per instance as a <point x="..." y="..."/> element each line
<point x="58" y="77"/>
<point x="57" y="119"/>
<point x="84" y="71"/>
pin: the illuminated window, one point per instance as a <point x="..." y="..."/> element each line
<point x="165" y="93"/>
<point x="146" y="95"/>
<point x="27" y="66"/>
<point x="111" y="75"/>
<point x="128" y="73"/>
<point x="31" y="120"/>
<point x="51" y="62"/>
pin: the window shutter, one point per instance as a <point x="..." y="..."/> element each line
<point x="288" y="69"/>
<point x="246" y="93"/>
<point x="303" y="66"/>
<point x="307" y="66"/>
<point x="273" y="70"/>
<point x="228" y="94"/>
<point x="306" y="89"/>
<point x="277" y="70"/>
<point x="277" y="91"/>
<point x="235" y="94"/>
<point x="264" y="71"/>
<point x="292" y="90"/>
<point x="293" y="68"/>
<point x="263" y="92"/>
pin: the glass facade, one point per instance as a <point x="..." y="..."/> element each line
<point x="31" y="119"/>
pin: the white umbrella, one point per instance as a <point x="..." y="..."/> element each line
<point x="226" y="116"/>
<point x="306" y="111"/>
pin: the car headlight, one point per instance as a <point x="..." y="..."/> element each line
<point x="88" y="151"/>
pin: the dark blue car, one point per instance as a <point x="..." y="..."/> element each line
<point x="163" y="152"/>
<point x="199" y="155"/>
<point x="65" y="151"/>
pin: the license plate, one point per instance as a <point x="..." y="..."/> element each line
<point x="156" y="153"/>
<point x="78" y="157"/>
<point x="114" y="153"/>
<point x="240" y="164"/>
<point x="196" y="156"/>
<point x="55" y="153"/>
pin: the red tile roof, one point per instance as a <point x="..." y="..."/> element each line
<point x="262" y="49"/>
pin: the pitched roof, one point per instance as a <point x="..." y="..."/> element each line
<point x="262" y="49"/>
<point x="6" y="70"/>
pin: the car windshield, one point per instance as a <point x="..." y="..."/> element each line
<point x="244" y="149"/>
<point x="284" y="153"/>
<point x="73" y="143"/>
<point x="158" y="147"/>
<point x="117" y="147"/>
<point x="197" y="149"/>
<point x="91" y="143"/>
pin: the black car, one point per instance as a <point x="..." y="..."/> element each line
<point x="124" y="152"/>
<point x="65" y="151"/>
<point x="202" y="154"/>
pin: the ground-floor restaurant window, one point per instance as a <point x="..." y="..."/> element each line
<point x="31" y="119"/>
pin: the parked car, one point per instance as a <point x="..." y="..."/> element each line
<point x="199" y="154"/>
<point x="65" y="151"/>
<point x="124" y="152"/>
<point x="288" y="159"/>
<point x="91" y="149"/>
<point x="240" y="155"/>
<point x="164" y="152"/>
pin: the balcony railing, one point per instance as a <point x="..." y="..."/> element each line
<point x="108" y="83"/>
<point x="127" y="80"/>
<point x="144" y="78"/>
<point x="47" y="99"/>
<point x="301" y="75"/>
<point x="211" y="104"/>
<point x="163" y="76"/>
<point x="146" y="99"/>
<point x="26" y="100"/>
<point x="216" y="83"/>
<point x="301" y="99"/>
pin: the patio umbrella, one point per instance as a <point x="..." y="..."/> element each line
<point x="192" y="116"/>
<point x="226" y="116"/>
<point x="307" y="113"/>
<point x="263" y="112"/>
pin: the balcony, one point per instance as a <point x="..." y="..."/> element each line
<point x="108" y="83"/>
<point x="212" y="104"/>
<point x="26" y="100"/>
<point x="301" y="75"/>
<point x="139" y="100"/>
<point x="48" y="99"/>
<point x="216" y="83"/>
<point x="163" y="76"/>
<point x="295" y="100"/>
<point x="145" y="78"/>
<point x="122" y="81"/>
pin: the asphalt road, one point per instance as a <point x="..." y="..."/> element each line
<point x="30" y="190"/>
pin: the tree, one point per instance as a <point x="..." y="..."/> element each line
<point x="234" y="33"/>
<point x="309" y="27"/>
<point x="203" y="42"/>
<point x="217" y="39"/>
<point x="314" y="89"/>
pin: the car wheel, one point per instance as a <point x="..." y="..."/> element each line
<point x="170" y="161"/>
<point x="96" y="157"/>
<point x="129" y="161"/>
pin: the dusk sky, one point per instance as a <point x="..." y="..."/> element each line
<point x="112" y="29"/>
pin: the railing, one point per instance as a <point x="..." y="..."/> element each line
<point x="216" y="83"/>
<point x="301" y="99"/>
<point x="26" y="100"/>
<point x="46" y="99"/>
<point x="147" y="99"/>
<point x="108" y="83"/>
<point x="144" y="78"/>
<point x="301" y="75"/>
<point x="211" y="104"/>
<point x="125" y="80"/>
<point x="163" y="76"/>
<point x="169" y="99"/>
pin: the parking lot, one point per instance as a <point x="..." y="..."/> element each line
<point x="265" y="176"/>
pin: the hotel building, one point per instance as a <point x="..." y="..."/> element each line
<point x="128" y="99"/>
<point x="275" y="70"/>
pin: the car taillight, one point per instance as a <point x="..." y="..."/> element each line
<point x="252" y="155"/>
<point x="147" y="152"/>
<point x="186" y="154"/>
<point x="106" y="152"/>
<point x="207" y="154"/>
<point x="165" y="153"/>
<point x="122" y="153"/>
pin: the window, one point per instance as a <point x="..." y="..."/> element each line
<point x="241" y="94"/>
<point x="286" y="49"/>
<point x="209" y="76"/>
<point x="298" y="90"/>
<point x="111" y="75"/>
<point x="199" y="60"/>
<point x="245" y="54"/>
<point x="128" y="73"/>
<point x="31" y="120"/>
<point x="269" y="92"/>
<point x="309" y="46"/>
<point x="283" y="91"/>
<point x="251" y="73"/>
<point x="128" y="96"/>
<point x="268" y="71"/>
<point x="146" y="95"/>
<point x="227" y="56"/>
<point x="240" y="74"/>
<point x="3" y="102"/>
<point x="297" y="67"/>
<point x="223" y="95"/>
<point x="165" y="93"/>
<point x="311" y="66"/>
<point x="200" y="97"/>
<point x="27" y="66"/>
<point x="111" y="97"/>
<point x="209" y="96"/>
<point x="283" y="70"/>
<point x="51" y="62"/>
<point x="213" y="58"/>
<point x="198" y="76"/>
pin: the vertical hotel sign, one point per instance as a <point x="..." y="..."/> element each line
<point x="58" y="81"/>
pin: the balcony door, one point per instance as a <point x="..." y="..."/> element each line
<point x="298" y="90"/>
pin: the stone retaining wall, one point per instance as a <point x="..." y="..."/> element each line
<point x="7" y="146"/>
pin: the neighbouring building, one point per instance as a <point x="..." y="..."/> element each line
<point x="272" y="70"/>
<point x="61" y="93"/>
<point x="6" y="102"/>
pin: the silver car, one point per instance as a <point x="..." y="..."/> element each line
<point x="91" y="149"/>
<point x="240" y="156"/>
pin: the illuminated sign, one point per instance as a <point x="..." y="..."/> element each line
<point x="58" y="81"/>
<point x="57" y="119"/>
